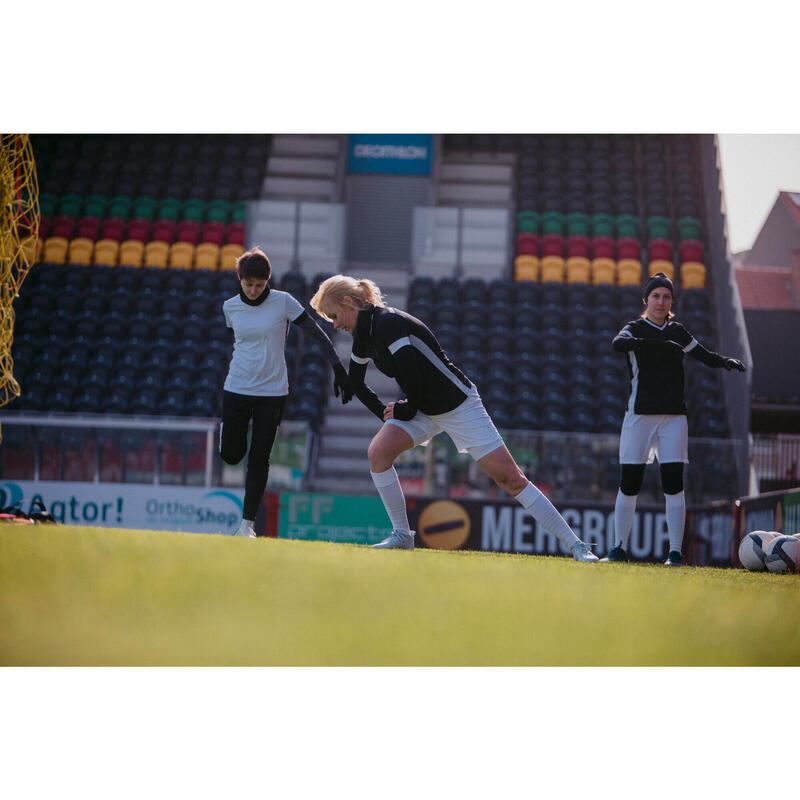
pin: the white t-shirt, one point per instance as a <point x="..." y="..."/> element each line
<point x="258" y="366"/>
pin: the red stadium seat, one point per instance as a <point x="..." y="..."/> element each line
<point x="114" y="228"/>
<point x="235" y="233"/>
<point x="628" y="247"/>
<point x="213" y="232"/>
<point x="188" y="231"/>
<point x="578" y="247"/>
<point x="63" y="226"/>
<point x="88" y="228"/>
<point x="691" y="250"/>
<point x="163" y="231"/>
<point x="660" y="249"/>
<point x="603" y="247"/>
<point x="527" y="244"/>
<point x="552" y="245"/>
<point x="139" y="230"/>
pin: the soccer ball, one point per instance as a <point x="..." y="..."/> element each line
<point x="782" y="554"/>
<point x="751" y="549"/>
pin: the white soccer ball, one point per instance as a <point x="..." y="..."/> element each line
<point x="751" y="549"/>
<point x="782" y="554"/>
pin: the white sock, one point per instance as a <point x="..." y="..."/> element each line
<point x="391" y="493"/>
<point x="676" y="519"/>
<point x="545" y="513"/>
<point x="624" y="512"/>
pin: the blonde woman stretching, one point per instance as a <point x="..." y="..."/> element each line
<point x="438" y="397"/>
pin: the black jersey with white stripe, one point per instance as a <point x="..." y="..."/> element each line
<point x="404" y="348"/>
<point x="655" y="364"/>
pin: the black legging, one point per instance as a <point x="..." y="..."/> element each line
<point x="632" y="475"/>
<point x="266" y="413"/>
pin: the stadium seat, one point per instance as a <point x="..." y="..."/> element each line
<point x="106" y="252"/>
<point x="207" y="256"/>
<point x="628" y="247"/>
<point x="88" y="228"/>
<point x="629" y="272"/>
<point x="691" y="250"/>
<point x="114" y="228"/>
<point x="155" y="254"/>
<point x="229" y="255"/>
<point x="181" y="255"/>
<point x="527" y="244"/>
<point x="139" y="230"/>
<point x="80" y="251"/>
<point x="553" y="245"/>
<point x="131" y="253"/>
<point x="660" y="265"/>
<point x="578" y="268"/>
<point x="693" y="275"/>
<point x="627" y="226"/>
<point x="163" y="230"/>
<point x="55" y="250"/>
<point x="552" y="269"/>
<point x="689" y="228"/>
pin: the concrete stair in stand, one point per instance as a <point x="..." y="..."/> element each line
<point x="342" y="466"/>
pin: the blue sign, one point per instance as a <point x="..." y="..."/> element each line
<point x="390" y="153"/>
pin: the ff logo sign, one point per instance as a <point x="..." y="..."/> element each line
<point x="443" y="525"/>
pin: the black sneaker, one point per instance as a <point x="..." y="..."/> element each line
<point x="674" y="559"/>
<point x="616" y="554"/>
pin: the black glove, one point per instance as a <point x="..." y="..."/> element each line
<point x="341" y="383"/>
<point x="404" y="411"/>
<point x="734" y="363"/>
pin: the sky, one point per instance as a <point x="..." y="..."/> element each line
<point x="755" y="167"/>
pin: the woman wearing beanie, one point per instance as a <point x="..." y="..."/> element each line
<point x="655" y="424"/>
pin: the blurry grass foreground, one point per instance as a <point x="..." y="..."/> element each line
<point x="94" y="596"/>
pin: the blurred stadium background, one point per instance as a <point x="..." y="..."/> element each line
<point x="525" y="254"/>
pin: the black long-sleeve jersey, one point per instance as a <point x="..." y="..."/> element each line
<point x="404" y="348"/>
<point x="655" y="364"/>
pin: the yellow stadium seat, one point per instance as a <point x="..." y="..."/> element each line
<point x="603" y="270"/>
<point x="526" y="268"/>
<point x="181" y="255"/>
<point x="55" y="250"/>
<point x="629" y="272"/>
<point x="32" y="248"/>
<point x="552" y="269"/>
<point x="131" y="253"/>
<point x="228" y="255"/>
<point x="106" y="252"/>
<point x="155" y="254"/>
<point x="80" y="251"/>
<point x="206" y="256"/>
<point x="693" y="275"/>
<point x="661" y="265"/>
<point x="578" y="269"/>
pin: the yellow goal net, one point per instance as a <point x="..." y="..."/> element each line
<point x="19" y="235"/>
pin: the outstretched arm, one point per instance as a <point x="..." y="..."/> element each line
<point x="341" y="381"/>
<point x="712" y="359"/>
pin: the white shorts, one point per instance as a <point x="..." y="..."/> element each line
<point x="648" y="436"/>
<point x="469" y="426"/>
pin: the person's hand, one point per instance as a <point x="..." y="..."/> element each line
<point x="388" y="412"/>
<point x="341" y="383"/>
<point x="734" y="363"/>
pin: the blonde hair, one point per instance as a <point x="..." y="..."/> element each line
<point x="337" y="287"/>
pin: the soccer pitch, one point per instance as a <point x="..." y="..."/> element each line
<point x="95" y="596"/>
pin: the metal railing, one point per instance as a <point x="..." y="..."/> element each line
<point x="147" y="450"/>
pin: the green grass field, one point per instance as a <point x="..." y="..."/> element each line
<point x="94" y="596"/>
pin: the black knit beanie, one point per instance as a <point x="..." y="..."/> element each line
<point x="659" y="279"/>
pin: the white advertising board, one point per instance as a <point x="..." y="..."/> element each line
<point x="123" y="505"/>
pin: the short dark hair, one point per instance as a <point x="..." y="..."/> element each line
<point x="254" y="264"/>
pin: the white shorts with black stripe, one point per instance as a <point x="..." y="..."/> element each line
<point x="469" y="426"/>
<point x="645" y="437"/>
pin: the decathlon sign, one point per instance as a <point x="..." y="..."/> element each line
<point x="393" y="154"/>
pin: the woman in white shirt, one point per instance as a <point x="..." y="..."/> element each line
<point x="257" y="383"/>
